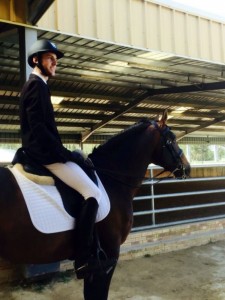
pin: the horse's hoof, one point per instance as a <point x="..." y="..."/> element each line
<point x="94" y="266"/>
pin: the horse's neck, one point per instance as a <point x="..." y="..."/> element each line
<point x="127" y="165"/>
<point x="127" y="155"/>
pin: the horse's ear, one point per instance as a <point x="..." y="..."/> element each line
<point x="165" y="115"/>
<point x="163" y="119"/>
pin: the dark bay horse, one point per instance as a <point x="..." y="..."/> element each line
<point x="121" y="164"/>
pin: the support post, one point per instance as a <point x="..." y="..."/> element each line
<point x="27" y="37"/>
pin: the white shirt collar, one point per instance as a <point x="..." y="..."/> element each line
<point x="39" y="75"/>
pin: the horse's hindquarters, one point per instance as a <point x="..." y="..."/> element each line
<point x="20" y="242"/>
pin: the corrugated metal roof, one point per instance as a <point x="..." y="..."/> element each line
<point x="107" y="87"/>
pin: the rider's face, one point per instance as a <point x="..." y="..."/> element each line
<point x="49" y="62"/>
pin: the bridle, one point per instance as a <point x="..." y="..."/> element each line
<point x="169" y="139"/>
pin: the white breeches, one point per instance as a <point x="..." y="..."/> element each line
<point x="71" y="174"/>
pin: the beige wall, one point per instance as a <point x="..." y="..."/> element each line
<point x="140" y="23"/>
<point x="13" y="10"/>
<point x="143" y="24"/>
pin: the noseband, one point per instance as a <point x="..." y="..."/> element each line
<point x="169" y="139"/>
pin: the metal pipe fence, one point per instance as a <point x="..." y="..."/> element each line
<point x="167" y="202"/>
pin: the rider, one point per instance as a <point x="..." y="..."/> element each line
<point x="42" y="143"/>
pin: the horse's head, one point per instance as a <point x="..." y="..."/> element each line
<point x="168" y="154"/>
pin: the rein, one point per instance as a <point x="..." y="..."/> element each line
<point x="172" y="172"/>
<point x="114" y="176"/>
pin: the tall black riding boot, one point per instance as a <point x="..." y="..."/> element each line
<point x="85" y="262"/>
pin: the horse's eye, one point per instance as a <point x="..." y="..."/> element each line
<point x="169" y="142"/>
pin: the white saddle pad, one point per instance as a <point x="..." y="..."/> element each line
<point x="46" y="208"/>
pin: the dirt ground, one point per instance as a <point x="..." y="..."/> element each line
<point x="193" y="274"/>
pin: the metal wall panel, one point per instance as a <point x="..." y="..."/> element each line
<point x="52" y="20"/>
<point x="193" y="36"/>
<point x="121" y="22"/>
<point x="65" y="16"/>
<point x="205" y="45"/>
<point x="140" y="23"/>
<point x="105" y="11"/>
<point x="14" y="11"/>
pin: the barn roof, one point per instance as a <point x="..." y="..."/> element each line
<point x="106" y="87"/>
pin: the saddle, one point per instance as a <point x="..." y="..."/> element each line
<point x="72" y="200"/>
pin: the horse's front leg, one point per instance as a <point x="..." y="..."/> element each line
<point x="96" y="287"/>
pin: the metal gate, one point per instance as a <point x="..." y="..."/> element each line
<point x="178" y="201"/>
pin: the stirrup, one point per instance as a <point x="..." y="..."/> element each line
<point x="97" y="263"/>
<point x="95" y="266"/>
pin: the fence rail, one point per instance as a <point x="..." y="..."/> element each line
<point x="178" y="201"/>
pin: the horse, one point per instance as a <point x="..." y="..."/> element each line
<point x="121" y="164"/>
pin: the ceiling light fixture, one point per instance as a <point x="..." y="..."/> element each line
<point x="119" y="63"/>
<point x="155" y="55"/>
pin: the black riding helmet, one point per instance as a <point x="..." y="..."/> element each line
<point x="40" y="47"/>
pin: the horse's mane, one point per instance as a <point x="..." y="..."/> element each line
<point x="126" y="134"/>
